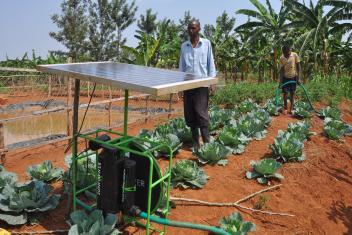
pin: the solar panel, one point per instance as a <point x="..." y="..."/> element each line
<point x="149" y="80"/>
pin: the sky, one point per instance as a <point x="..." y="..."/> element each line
<point x="25" y="24"/>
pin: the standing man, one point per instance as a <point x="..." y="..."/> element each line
<point x="197" y="58"/>
<point x="290" y="68"/>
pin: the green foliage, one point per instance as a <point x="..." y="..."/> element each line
<point x="302" y="110"/>
<point x="73" y="27"/>
<point x="86" y="171"/>
<point x="329" y="112"/>
<point x="263" y="116"/>
<point x="219" y="117"/>
<point x="233" y="139"/>
<point x="235" y="225"/>
<point x="264" y="169"/>
<point x="334" y="129"/>
<point x="247" y="106"/>
<point x="45" y="172"/>
<point x="320" y="22"/>
<point x="212" y="153"/>
<point x="223" y="42"/>
<point x="301" y="128"/>
<point x="93" y="224"/>
<point x="163" y="134"/>
<point x="253" y="124"/>
<point x="27" y="62"/>
<point x="271" y="108"/>
<point x="186" y="173"/>
<point x="329" y="89"/>
<point x="147" y="22"/>
<point x="233" y="94"/>
<point x="182" y="131"/>
<point x="17" y="201"/>
<point x="288" y="147"/>
<point x="6" y="178"/>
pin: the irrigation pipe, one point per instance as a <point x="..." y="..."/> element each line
<point x="237" y="203"/>
<point x="181" y="224"/>
<point x="277" y="93"/>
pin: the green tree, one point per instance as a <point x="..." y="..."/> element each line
<point x="73" y="27"/>
<point x="183" y="24"/>
<point x="320" y="21"/>
<point x="169" y="53"/>
<point x="267" y="24"/>
<point x="147" y="51"/>
<point x="122" y="16"/>
<point x="101" y="31"/>
<point x="147" y="23"/>
<point x="223" y="42"/>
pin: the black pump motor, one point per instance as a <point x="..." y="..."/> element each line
<point x="123" y="179"/>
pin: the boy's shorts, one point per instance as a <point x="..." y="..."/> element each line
<point x="289" y="87"/>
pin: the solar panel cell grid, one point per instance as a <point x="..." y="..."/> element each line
<point x="132" y="77"/>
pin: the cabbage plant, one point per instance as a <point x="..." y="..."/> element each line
<point x="301" y="113"/>
<point x="6" y="178"/>
<point x="334" y="129"/>
<point x="263" y="116"/>
<point x="216" y="120"/>
<point x="93" y="224"/>
<point x="160" y="137"/>
<point x="302" y="128"/>
<point x="16" y="202"/>
<point x="212" y="153"/>
<point x="250" y="125"/>
<point x="182" y="131"/>
<point x="170" y="140"/>
<point x="86" y="171"/>
<point x="288" y="147"/>
<point x="233" y="139"/>
<point x="329" y="112"/>
<point x="264" y="169"/>
<point x="271" y="108"/>
<point x="247" y="106"/>
<point x="302" y="110"/>
<point x="45" y="172"/>
<point x="186" y="173"/>
<point x="234" y="224"/>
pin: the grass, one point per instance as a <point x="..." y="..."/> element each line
<point x="233" y="94"/>
<point x="330" y="89"/>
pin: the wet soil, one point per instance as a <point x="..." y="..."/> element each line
<point x="31" y="129"/>
<point x="317" y="191"/>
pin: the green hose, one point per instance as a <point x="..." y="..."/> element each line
<point x="184" y="224"/>
<point x="290" y="82"/>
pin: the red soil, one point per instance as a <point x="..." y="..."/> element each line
<point x="317" y="191"/>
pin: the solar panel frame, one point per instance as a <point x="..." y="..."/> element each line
<point x="154" y="81"/>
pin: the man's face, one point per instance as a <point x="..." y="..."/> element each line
<point x="286" y="52"/>
<point x="193" y="29"/>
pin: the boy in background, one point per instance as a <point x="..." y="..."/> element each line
<point x="290" y="69"/>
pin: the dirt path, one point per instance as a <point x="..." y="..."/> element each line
<point x="317" y="191"/>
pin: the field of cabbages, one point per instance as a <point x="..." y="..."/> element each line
<point x="304" y="160"/>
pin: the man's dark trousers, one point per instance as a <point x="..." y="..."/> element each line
<point x="195" y="104"/>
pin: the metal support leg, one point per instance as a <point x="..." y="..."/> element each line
<point x="125" y="119"/>
<point x="74" y="141"/>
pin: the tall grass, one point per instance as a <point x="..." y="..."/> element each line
<point x="329" y="89"/>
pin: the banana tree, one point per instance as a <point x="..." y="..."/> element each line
<point x="320" y="24"/>
<point x="267" y="24"/>
<point x="147" y="52"/>
<point x="223" y="42"/>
